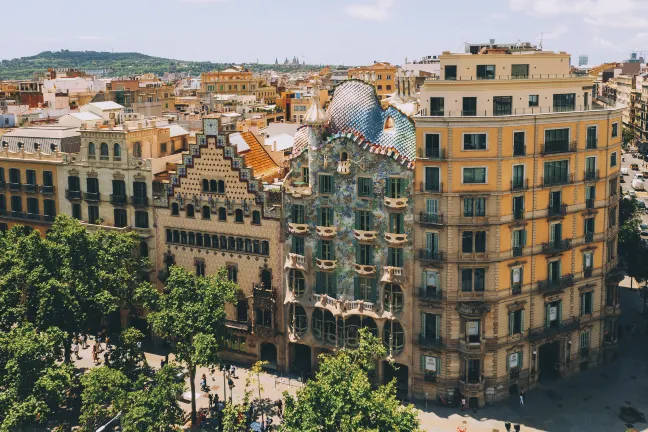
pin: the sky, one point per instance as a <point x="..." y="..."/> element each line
<point x="349" y="32"/>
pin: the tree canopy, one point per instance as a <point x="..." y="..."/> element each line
<point x="632" y="248"/>
<point x="342" y="398"/>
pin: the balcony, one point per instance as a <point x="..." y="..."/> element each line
<point x="360" y="305"/>
<point x="470" y="386"/>
<point x="519" y="184"/>
<point x="326" y="232"/>
<point x="392" y="274"/>
<point x="436" y="154"/>
<point x="395" y="203"/>
<point x="557" y="210"/>
<point x="262" y="292"/>
<point x="430" y="219"/>
<point x="323" y="264"/>
<point x="14" y="187"/>
<point x="431" y="294"/>
<point x="365" y="236"/>
<point x="297" y="229"/>
<point x="556" y="246"/>
<point x="426" y="255"/>
<point x="296" y="261"/>
<point x="47" y="190"/>
<point x="557" y="284"/>
<point x="589" y="237"/>
<point x="33" y="216"/>
<point x="299" y="190"/>
<point x="552" y="330"/>
<point x="72" y="194"/>
<point x="557" y="147"/>
<point x="265" y="332"/>
<point x="591" y="175"/>
<point x="430" y="188"/>
<point x="558" y="180"/>
<point x="516" y="288"/>
<point x="139" y="201"/>
<point x="18" y="214"/>
<point x="589" y="203"/>
<point x="239" y="326"/>
<point x="517" y="251"/>
<point x="92" y="196"/>
<point x="29" y="188"/>
<point x="396" y="239"/>
<point x="49" y="218"/>
<point x="518" y="214"/>
<point x="426" y="341"/>
<point x="365" y="270"/>
<point x="118" y="199"/>
<point x="344" y="167"/>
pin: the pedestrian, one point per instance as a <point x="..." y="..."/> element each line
<point x="98" y="342"/>
<point x="211" y="400"/>
<point x="75" y="348"/>
<point x="95" y="356"/>
<point x="463" y="403"/>
<point x="106" y="358"/>
<point x="233" y="372"/>
<point x="522" y="398"/>
<point x="162" y="363"/>
<point x="107" y="343"/>
<point x="280" y="407"/>
<point x="83" y="340"/>
<point x="203" y="382"/>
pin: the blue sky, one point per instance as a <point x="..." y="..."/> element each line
<point x="325" y="31"/>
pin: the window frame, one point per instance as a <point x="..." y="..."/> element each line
<point x="463" y="141"/>
<point x="463" y="175"/>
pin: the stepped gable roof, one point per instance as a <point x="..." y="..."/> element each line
<point x="355" y="109"/>
<point x="259" y="160"/>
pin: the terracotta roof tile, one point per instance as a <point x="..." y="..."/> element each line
<point x="259" y="160"/>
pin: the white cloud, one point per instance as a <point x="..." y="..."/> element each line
<point x="600" y="13"/>
<point x="378" y="11"/>
<point x="497" y="16"/>
<point x="204" y="1"/>
<point x="604" y="42"/>
<point x="94" y="38"/>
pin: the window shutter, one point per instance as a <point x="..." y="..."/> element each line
<point x="438" y="366"/>
<point x="403" y="187"/>
<point x="370" y="222"/>
<point x="422" y="363"/>
<point x="523" y="238"/>
<point x="522" y="320"/>
<point x="560" y="311"/>
<point x="423" y="324"/>
<point x="357" y="219"/>
<point x="334" y="284"/>
<point x="547" y="314"/>
<point x="371" y="190"/>
<point x="374" y="291"/>
<point x="318" y="249"/>
<point x="332" y="184"/>
<point x="357" y="248"/>
<point x="388" y="184"/>
<point x="582" y="301"/>
<point x="511" y="322"/>
<point x="370" y="257"/>
<point x="356" y="287"/>
<point x="437" y="328"/>
<point x="318" y="282"/>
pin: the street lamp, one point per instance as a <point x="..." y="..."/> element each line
<point x="103" y="428"/>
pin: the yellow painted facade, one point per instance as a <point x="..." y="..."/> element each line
<point x="380" y="74"/>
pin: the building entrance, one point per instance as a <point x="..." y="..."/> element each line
<point x="549" y="358"/>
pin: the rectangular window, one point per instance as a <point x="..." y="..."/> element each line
<point x="432" y="242"/>
<point x="395" y="187"/>
<point x="432" y="146"/>
<point x="364" y="254"/>
<point x="200" y="268"/>
<point x="297" y="214"/>
<point x="474" y="175"/>
<point x="485" y="71"/>
<point x="516" y="322"/>
<point x="564" y="102"/>
<point x="305" y="175"/>
<point x="473" y="241"/>
<point x="395" y="257"/>
<point x="474" y="141"/>
<point x="502" y="105"/>
<point x="517" y="180"/>
<point x="93" y="214"/>
<point x="365" y="187"/>
<point x="615" y="130"/>
<point x="613" y="186"/>
<point x="120" y="218"/>
<point x="556" y="140"/>
<point x="451" y="72"/>
<point x="518" y="207"/>
<point x="326" y="184"/>
<point x="32" y="206"/>
<point x="519" y="146"/>
<point x="556" y="172"/>
<point x="473" y="279"/>
<point x="232" y="273"/>
<point x="432" y="179"/>
<point x="14" y="175"/>
<point x="469" y="106"/>
<point x="364" y="220"/>
<point x="613" y="159"/>
<point x="139" y="189"/>
<point x="612" y="216"/>
<point x="298" y="245"/>
<point x="591" y="137"/>
<point x="436" y="106"/>
<point x="325" y="216"/>
<point x="534" y="100"/>
<point x="31" y="177"/>
<point x="326" y="250"/>
<point x="590" y="168"/>
<point x="520" y="71"/>
<point x="365" y="289"/>
<point x="92" y="184"/>
<point x="474" y="207"/>
<point x="584" y="344"/>
<point x="76" y="211"/>
<point x="516" y="280"/>
<point x="47" y="178"/>
<point x="325" y="283"/>
<point x="396" y="223"/>
<point x="141" y="219"/>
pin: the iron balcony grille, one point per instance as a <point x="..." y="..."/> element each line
<point x="556" y="284"/>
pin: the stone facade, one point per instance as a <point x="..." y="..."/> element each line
<point x="217" y="215"/>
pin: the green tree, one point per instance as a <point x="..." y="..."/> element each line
<point x="628" y="136"/>
<point x="104" y="395"/>
<point x="631" y="247"/>
<point x="192" y="314"/>
<point x="33" y="382"/>
<point x="127" y="356"/>
<point x="341" y="398"/>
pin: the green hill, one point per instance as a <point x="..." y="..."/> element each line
<point x="119" y="64"/>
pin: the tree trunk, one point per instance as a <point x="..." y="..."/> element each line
<point x="67" y="351"/>
<point x="192" y="386"/>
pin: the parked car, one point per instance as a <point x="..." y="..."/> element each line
<point x="634" y="167"/>
<point x="633" y="194"/>
<point x="641" y="205"/>
<point x="625" y="171"/>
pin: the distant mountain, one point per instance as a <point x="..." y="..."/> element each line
<point x="119" y="64"/>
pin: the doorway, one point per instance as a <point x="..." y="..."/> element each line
<point x="400" y="373"/>
<point x="269" y="354"/>
<point x="266" y="279"/>
<point x="549" y="361"/>
<point x="301" y="360"/>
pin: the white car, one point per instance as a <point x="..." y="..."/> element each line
<point x="625" y="171"/>
<point x="633" y="194"/>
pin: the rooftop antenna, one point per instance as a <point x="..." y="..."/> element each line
<point x="541" y="35"/>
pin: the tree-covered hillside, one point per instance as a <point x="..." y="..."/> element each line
<point x="118" y="64"/>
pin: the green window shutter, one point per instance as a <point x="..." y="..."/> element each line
<point x="437" y="327"/>
<point x="403" y="187"/>
<point x="422" y="363"/>
<point x="371" y="261"/>
<point x="357" y="249"/>
<point x="522" y="319"/>
<point x="371" y="192"/>
<point x="318" y="249"/>
<point x="582" y="304"/>
<point x="374" y="291"/>
<point x="388" y="184"/>
<point x="423" y="324"/>
<point x="438" y="368"/>
<point x="511" y="322"/>
<point x="371" y="221"/>
<point x="318" y="282"/>
<point x="357" y="219"/>
<point x="334" y="284"/>
<point x="547" y="314"/>
<point x="560" y="312"/>
<point x="356" y="287"/>
<point x="524" y="238"/>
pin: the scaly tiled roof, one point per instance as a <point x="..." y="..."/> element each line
<point x="355" y="109"/>
<point x="259" y="160"/>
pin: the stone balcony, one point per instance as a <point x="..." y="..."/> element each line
<point x="395" y="203"/>
<point x="297" y="229"/>
<point x="326" y="264"/>
<point x="299" y="190"/>
<point x="296" y="261"/>
<point x="468" y="387"/>
<point x="326" y="232"/>
<point x="324" y="300"/>
<point x="393" y="274"/>
<point x="365" y="270"/>
<point x="366" y="236"/>
<point x="360" y="306"/>
<point x="344" y="167"/>
<point x="396" y="239"/>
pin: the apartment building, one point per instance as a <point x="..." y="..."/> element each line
<point x="380" y="74"/>
<point x="213" y="214"/>
<point x="29" y="162"/>
<point x="349" y="217"/>
<point x="235" y="80"/>
<point x="516" y="210"/>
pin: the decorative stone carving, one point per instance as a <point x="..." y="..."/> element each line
<point x="473" y="309"/>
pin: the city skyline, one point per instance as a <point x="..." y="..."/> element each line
<point x="345" y="32"/>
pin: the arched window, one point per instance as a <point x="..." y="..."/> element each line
<point x="206" y="212"/>
<point x="238" y="216"/>
<point x="117" y="152"/>
<point x="393" y="298"/>
<point x="330" y="329"/>
<point x="344" y="156"/>
<point x="265" y="248"/>
<point x="103" y="151"/>
<point x="318" y="323"/>
<point x="190" y="210"/>
<point x="296" y="282"/>
<point x="221" y="186"/>
<point x="222" y="214"/>
<point x="205" y="185"/>
<point x="393" y="337"/>
<point x="298" y="320"/>
<point x="212" y="186"/>
<point x="137" y="150"/>
<point x="256" y="217"/>
<point x="175" y="209"/>
<point x="92" y="150"/>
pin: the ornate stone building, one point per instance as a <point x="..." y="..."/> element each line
<point x="215" y="214"/>
<point x="349" y="219"/>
